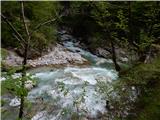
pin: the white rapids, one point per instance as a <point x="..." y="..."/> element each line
<point x="73" y="79"/>
<point x="73" y="88"/>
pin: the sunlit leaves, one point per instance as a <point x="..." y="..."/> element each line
<point x="77" y="100"/>
<point x="122" y="24"/>
<point x="14" y="86"/>
<point x="13" y="83"/>
<point x="34" y="14"/>
<point x="62" y="88"/>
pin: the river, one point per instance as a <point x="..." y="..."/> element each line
<point x="63" y="93"/>
<point x="72" y="89"/>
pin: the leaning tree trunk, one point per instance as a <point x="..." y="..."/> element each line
<point x="114" y="58"/>
<point x="23" y="81"/>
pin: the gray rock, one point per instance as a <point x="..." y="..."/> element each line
<point x="29" y="84"/>
<point x="15" y="102"/>
<point x="102" y="52"/>
<point x="123" y="59"/>
<point x="40" y="116"/>
<point x="58" y="56"/>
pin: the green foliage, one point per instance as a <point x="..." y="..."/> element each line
<point x="75" y="116"/>
<point x="62" y="88"/>
<point x="77" y="101"/>
<point x="13" y="83"/>
<point x="122" y="24"/>
<point x="2" y="102"/>
<point x="143" y="73"/>
<point x="98" y="22"/>
<point x="104" y="88"/>
<point x="145" y="41"/>
<point x="136" y="89"/>
<point x="34" y="15"/>
<point x="145" y="77"/>
<point x="65" y="112"/>
<point x="4" y="53"/>
<point x="13" y="86"/>
<point x="7" y="68"/>
<point x="81" y="98"/>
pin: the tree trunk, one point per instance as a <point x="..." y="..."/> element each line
<point x="25" y="56"/>
<point x="130" y="37"/>
<point x="25" y="44"/>
<point x="117" y="67"/>
<point x="131" y="34"/>
<point x="21" y="107"/>
<point x="148" y="56"/>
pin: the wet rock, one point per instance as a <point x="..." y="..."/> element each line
<point x="2" y="79"/>
<point x="99" y="114"/>
<point x="133" y="88"/>
<point x="15" y="102"/>
<point x="29" y="84"/>
<point x="123" y="59"/>
<point x="102" y="52"/>
<point x="66" y="37"/>
<point x="122" y="55"/>
<point x="84" y="118"/>
<point x="77" y="51"/>
<point x="13" y="59"/>
<point x="101" y="61"/>
<point x="16" y="75"/>
<point x="77" y="43"/>
<point x="40" y="116"/>
<point x="62" y="32"/>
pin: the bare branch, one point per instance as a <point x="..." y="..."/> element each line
<point x="18" y="40"/>
<point x="44" y="23"/>
<point x="13" y="28"/>
<point x="25" y="25"/>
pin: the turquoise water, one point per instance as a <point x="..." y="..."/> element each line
<point x="78" y="84"/>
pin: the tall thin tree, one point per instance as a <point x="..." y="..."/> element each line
<point x="25" y="43"/>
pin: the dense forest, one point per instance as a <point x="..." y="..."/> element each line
<point x="74" y="60"/>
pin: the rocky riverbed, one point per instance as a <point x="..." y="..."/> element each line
<point x="58" y="56"/>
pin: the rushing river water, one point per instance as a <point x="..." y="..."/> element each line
<point x="73" y="88"/>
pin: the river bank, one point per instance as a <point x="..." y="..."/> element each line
<point x="59" y="56"/>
